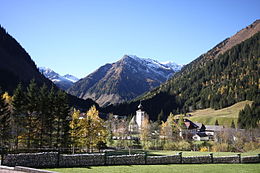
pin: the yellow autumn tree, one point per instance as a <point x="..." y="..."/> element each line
<point x="75" y="129"/>
<point x="169" y="128"/>
<point x="93" y="129"/>
<point x="8" y="99"/>
<point x="145" y="131"/>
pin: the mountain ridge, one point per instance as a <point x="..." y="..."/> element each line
<point x="63" y="82"/>
<point x="214" y="79"/>
<point x="123" y="80"/>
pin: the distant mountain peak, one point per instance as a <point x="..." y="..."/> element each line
<point x="63" y="82"/>
<point x="71" y="78"/>
<point x="123" y="80"/>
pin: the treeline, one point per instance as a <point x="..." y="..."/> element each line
<point x="41" y="118"/>
<point x="249" y="117"/>
<point x="228" y="79"/>
<point x="35" y="118"/>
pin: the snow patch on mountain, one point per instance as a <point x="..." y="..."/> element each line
<point x="71" y="78"/>
<point x="63" y="82"/>
<point x="156" y="66"/>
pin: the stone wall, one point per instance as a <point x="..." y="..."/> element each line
<point x="137" y="159"/>
<point x="53" y="159"/>
<point x="226" y="159"/>
<point x="163" y="159"/>
<point x="77" y="160"/>
<point x="250" y="159"/>
<point x="197" y="159"/>
<point x="35" y="160"/>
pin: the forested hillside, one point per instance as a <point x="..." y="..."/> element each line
<point x="17" y="67"/>
<point x="231" y="77"/>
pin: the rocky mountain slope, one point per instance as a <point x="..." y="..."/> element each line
<point x="123" y="80"/>
<point x="63" y="82"/>
<point x="226" y="74"/>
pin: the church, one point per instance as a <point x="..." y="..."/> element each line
<point x="135" y="124"/>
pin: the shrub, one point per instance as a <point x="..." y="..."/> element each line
<point x="203" y="149"/>
<point x="249" y="146"/>
<point x="183" y="146"/>
<point x="220" y="147"/>
<point x="170" y="146"/>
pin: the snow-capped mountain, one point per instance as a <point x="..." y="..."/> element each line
<point x="123" y="80"/>
<point x="63" y="82"/>
<point x="71" y="78"/>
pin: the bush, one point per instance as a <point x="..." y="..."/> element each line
<point x="223" y="147"/>
<point x="183" y="146"/>
<point x="203" y="149"/>
<point x="170" y="146"/>
<point x="249" y="146"/>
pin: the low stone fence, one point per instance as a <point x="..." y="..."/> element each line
<point x="137" y="159"/>
<point x="196" y="159"/>
<point x="163" y="159"/>
<point x="77" y="160"/>
<point x="250" y="159"/>
<point x="54" y="159"/>
<point x="226" y="159"/>
<point x="35" y="160"/>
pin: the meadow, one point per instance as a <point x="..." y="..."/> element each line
<point x="195" y="168"/>
<point x="224" y="116"/>
<point x="191" y="168"/>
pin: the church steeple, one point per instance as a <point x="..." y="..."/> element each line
<point x="140" y="106"/>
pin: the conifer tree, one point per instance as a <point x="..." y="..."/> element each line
<point x="5" y="123"/>
<point x="216" y="123"/>
<point x="51" y="116"/>
<point x="19" y="112"/>
<point x="62" y="120"/>
<point x="43" y="107"/>
<point x="32" y="116"/>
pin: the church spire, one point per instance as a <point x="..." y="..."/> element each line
<point x="140" y="106"/>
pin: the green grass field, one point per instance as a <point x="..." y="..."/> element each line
<point x="184" y="153"/>
<point x="197" y="153"/>
<point x="195" y="168"/>
<point x="236" y="168"/>
<point x="224" y="116"/>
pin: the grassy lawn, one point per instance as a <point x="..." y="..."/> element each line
<point x="184" y="153"/>
<point x="236" y="168"/>
<point x="197" y="153"/>
<point x="224" y="116"/>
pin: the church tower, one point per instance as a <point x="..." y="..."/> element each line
<point x="140" y="116"/>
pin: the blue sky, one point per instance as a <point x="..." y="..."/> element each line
<point x="78" y="36"/>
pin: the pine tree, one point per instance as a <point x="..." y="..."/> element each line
<point x="32" y="117"/>
<point x="5" y="123"/>
<point x="50" y="119"/>
<point x="43" y="103"/>
<point x="19" y="112"/>
<point x="216" y="123"/>
<point x="249" y="117"/>
<point x="62" y="120"/>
